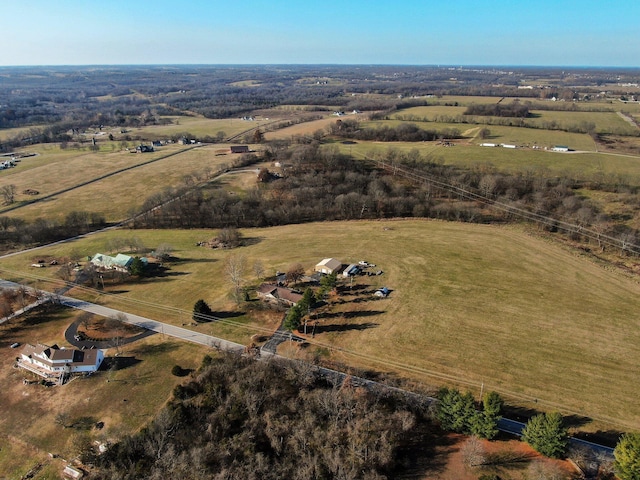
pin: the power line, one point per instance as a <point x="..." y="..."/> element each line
<point x="386" y="361"/>
<point x="543" y="219"/>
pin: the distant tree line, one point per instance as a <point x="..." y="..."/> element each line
<point x="405" y="132"/>
<point x="15" y="231"/>
<point x="321" y="184"/>
<point x="513" y="109"/>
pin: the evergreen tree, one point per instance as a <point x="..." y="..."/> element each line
<point x="456" y="412"/>
<point x="328" y="282"/>
<point x="627" y="454"/>
<point x="486" y="423"/>
<point x="546" y="434"/>
<point x="137" y="267"/>
<point x="294" y="318"/>
<point x="202" y="311"/>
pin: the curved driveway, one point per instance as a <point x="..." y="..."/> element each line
<point x="154" y="325"/>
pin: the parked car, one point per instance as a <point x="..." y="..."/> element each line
<point x="15" y="345"/>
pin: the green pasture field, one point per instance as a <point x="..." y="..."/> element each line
<point x="504" y="134"/>
<point x="583" y="166"/>
<point x="306" y="128"/>
<point x="605" y="122"/>
<point x="429" y="112"/>
<point x="470" y="304"/>
<point x="463" y="101"/>
<point x="6" y="133"/>
<point x="54" y="170"/>
<point x="124" y="399"/>
<point x="198" y="126"/>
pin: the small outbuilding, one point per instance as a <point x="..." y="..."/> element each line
<point x="239" y="149"/>
<point x="328" y="266"/>
<point x="351" y="270"/>
<point x="560" y="148"/>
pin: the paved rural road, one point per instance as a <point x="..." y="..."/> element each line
<point x="515" y="428"/>
<point x="153" y="325"/>
<point x="505" y="425"/>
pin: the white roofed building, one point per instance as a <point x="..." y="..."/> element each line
<point x="328" y="266"/>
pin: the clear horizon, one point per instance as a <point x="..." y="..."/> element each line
<point x="496" y="33"/>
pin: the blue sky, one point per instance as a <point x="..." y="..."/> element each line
<point x="427" y="32"/>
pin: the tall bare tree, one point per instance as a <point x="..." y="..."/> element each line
<point x="8" y="193"/>
<point x="234" y="269"/>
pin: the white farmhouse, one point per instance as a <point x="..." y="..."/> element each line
<point x="54" y="362"/>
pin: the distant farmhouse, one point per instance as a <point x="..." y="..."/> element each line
<point x="328" y="266"/>
<point x="54" y="362"/>
<point x="119" y="262"/>
<point x="239" y="149"/>
<point x="276" y="294"/>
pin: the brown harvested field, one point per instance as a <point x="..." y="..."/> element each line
<point x="115" y="196"/>
<point x="471" y="304"/>
<point x="197" y="126"/>
<point x="306" y="128"/>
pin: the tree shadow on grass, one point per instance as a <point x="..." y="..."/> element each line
<point x="608" y="438"/>
<point x="424" y="453"/>
<point x="164" y="347"/>
<point x="356" y="314"/>
<point x="249" y="241"/>
<point x="83" y="423"/>
<point x="344" y="327"/>
<point x="194" y="260"/>
<point x="227" y="314"/>
<point x="576" y="421"/>
<point x="347" y="290"/>
<point x="119" y="363"/>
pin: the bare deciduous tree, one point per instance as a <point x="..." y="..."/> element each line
<point x="234" y="269"/>
<point x="258" y="269"/>
<point x="8" y="193"/>
<point x="84" y="320"/>
<point x="295" y="273"/>
<point x="473" y="452"/>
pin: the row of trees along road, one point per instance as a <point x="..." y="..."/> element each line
<point x="546" y="432"/>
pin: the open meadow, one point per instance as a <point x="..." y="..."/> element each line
<point x="470" y="305"/>
<point x="112" y="183"/>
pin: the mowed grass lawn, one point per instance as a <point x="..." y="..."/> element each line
<point x="481" y="304"/>
<point x="124" y="399"/>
